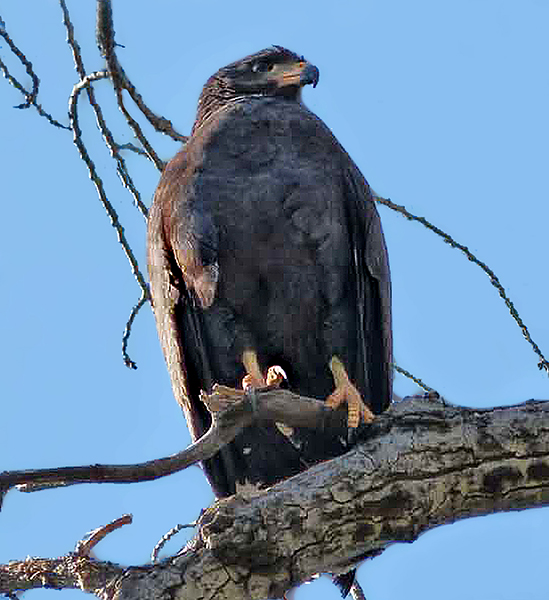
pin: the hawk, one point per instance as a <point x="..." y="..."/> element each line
<point x="266" y="251"/>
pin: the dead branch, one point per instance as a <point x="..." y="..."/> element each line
<point x="423" y="464"/>
<point x="106" y="43"/>
<point x="85" y="84"/>
<point x="68" y="572"/>
<point x="84" y="547"/>
<point x="116" y="74"/>
<point x="31" y="97"/>
<point x="543" y="363"/>
<point x="231" y="410"/>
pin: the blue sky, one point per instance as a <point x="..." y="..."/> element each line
<point x="443" y="106"/>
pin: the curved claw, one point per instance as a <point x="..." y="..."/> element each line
<point x="275" y="376"/>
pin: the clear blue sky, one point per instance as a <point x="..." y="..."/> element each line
<point x="443" y="105"/>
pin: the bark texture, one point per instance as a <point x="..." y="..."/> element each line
<point x="423" y="463"/>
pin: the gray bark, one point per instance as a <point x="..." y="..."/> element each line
<point x="423" y="463"/>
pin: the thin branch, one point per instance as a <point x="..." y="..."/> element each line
<point x="132" y="148"/>
<point x="494" y="280"/>
<point x="160" y="124"/>
<point x="232" y="410"/>
<point x="111" y="212"/>
<point x="71" y="39"/>
<point x="121" y="168"/>
<point x="108" y="137"/>
<point x="105" y="39"/>
<point x="145" y="297"/>
<point x="84" y="547"/>
<point x="415" y="379"/>
<point x="167" y="537"/>
<point x="94" y="176"/>
<point x="30" y="97"/>
<point x="106" y="43"/>
<point x="138" y="132"/>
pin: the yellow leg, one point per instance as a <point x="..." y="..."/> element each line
<point x="345" y="391"/>
<point x="254" y="376"/>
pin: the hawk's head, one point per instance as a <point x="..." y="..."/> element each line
<point x="274" y="71"/>
<point x="271" y="72"/>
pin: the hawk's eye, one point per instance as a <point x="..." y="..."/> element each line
<point x="262" y="67"/>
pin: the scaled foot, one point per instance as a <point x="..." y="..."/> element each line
<point x="346" y="392"/>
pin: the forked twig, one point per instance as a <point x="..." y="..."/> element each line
<point x="30" y="96"/>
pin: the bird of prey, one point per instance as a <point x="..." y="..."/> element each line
<point x="265" y="250"/>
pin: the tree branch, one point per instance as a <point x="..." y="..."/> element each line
<point x="106" y="44"/>
<point x="30" y="96"/>
<point x="231" y="410"/>
<point x="423" y="463"/>
<point x="543" y="363"/>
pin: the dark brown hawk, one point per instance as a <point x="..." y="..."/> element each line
<point x="266" y="249"/>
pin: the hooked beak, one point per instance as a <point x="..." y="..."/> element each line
<point x="299" y="74"/>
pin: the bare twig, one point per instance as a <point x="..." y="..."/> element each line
<point x="543" y="363"/>
<point x="113" y="147"/>
<point x="84" y="547"/>
<point x="415" y="379"/>
<point x="132" y="148"/>
<point x="145" y="297"/>
<point x="94" y="176"/>
<point x="30" y="96"/>
<point x="105" y="40"/>
<point x="167" y="537"/>
<point x="73" y="115"/>
<point x="107" y="44"/>
<point x="120" y="166"/>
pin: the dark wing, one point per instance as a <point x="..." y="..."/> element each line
<point x="170" y="295"/>
<point x="175" y="308"/>
<point x="373" y="291"/>
<point x="181" y="251"/>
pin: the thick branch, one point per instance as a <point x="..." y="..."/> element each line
<point x="422" y="464"/>
<point x="68" y="572"/>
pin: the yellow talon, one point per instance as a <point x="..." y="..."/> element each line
<point x="254" y="376"/>
<point x="345" y="391"/>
